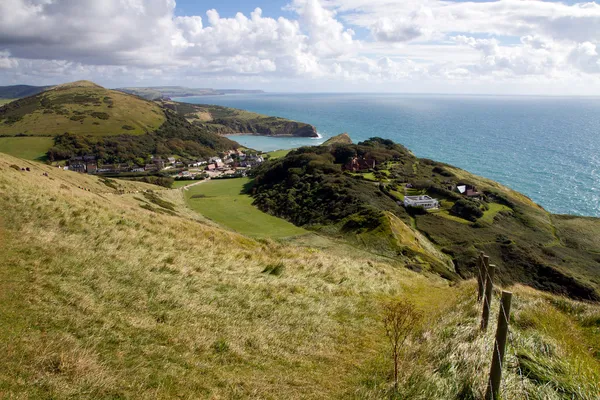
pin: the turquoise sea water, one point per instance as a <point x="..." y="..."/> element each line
<point x="545" y="147"/>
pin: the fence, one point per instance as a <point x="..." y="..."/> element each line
<point x="485" y="286"/>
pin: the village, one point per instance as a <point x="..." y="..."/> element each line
<point x="231" y="163"/>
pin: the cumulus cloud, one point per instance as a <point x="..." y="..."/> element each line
<point x="320" y="40"/>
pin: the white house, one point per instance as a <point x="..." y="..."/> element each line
<point x="215" y="160"/>
<point x="421" y="201"/>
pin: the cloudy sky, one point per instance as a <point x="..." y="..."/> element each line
<point x="432" y="46"/>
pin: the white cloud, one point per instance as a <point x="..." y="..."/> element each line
<point x="509" y="42"/>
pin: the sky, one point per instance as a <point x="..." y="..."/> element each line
<point x="408" y="46"/>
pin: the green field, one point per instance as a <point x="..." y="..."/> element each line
<point x="225" y="205"/>
<point x="4" y="101"/>
<point x="273" y="155"/>
<point x="30" y="148"/>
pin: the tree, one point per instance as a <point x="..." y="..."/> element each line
<point x="401" y="319"/>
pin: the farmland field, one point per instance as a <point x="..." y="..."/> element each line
<point x="223" y="202"/>
<point x="30" y="148"/>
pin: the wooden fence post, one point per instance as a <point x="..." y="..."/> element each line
<point x="487" y="299"/>
<point x="499" y="348"/>
<point x="480" y="276"/>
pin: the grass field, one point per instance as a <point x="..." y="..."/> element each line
<point x="29" y="148"/>
<point x="494" y="209"/>
<point x="4" y="101"/>
<point x="82" y="108"/>
<point x="273" y="155"/>
<point x="224" y="204"/>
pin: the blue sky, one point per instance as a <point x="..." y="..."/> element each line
<point x="228" y="8"/>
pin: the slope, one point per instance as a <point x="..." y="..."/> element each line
<point x="107" y="293"/>
<point x="310" y="188"/>
<point x="80" y="108"/>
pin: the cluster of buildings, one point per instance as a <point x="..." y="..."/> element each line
<point x="229" y="162"/>
<point x="429" y="203"/>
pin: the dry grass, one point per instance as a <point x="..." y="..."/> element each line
<point x="104" y="299"/>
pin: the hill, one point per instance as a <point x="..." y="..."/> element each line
<point x="111" y="291"/>
<point x="163" y="92"/>
<point x="18" y="91"/>
<point x="342" y="138"/>
<point x="225" y="120"/>
<point x="80" y="108"/>
<point x="311" y="188"/>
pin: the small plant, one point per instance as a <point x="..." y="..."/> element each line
<point x="220" y="346"/>
<point x="274" y="269"/>
<point x="401" y="319"/>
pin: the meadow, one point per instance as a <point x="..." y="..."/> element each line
<point x="273" y="155"/>
<point x="107" y="295"/>
<point x="5" y="101"/>
<point x="222" y="201"/>
<point x="29" y="148"/>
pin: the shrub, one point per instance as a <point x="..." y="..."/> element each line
<point x="128" y="127"/>
<point x="466" y="209"/>
<point x="401" y="319"/>
<point x="100" y="115"/>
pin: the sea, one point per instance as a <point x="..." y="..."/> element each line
<point x="547" y="148"/>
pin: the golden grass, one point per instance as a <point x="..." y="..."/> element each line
<point x="102" y="298"/>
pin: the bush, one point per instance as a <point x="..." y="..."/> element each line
<point x="466" y="209"/>
<point x="100" y="115"/>
<point x="128" y="127"/>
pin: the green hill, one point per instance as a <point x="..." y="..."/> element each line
<point x="342" y="138"/>
<point x="226" y="120"/>
<point x="110" y="291"/>
<point x="529" y="245"/>
<point x="81" y="108"/>
<point x="18" y="91"/>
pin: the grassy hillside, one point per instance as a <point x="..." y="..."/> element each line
<point x="80" y="108"/>
<point x="342" y="138"/>
<point x="30" y="148"/>
<point x="529" y="245"/>
<point x="5" y="101"/>
<point x="108" y="295"/>
<point x="225" y="120"/>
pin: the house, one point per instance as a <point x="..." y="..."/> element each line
<point x="227" y="160"/>
<point x="91" y="167"/>
<point x="423" y="201"/>
<point x="359" y="164"/>
<point x="468" y="190"/>
<point x="211" y="167"/>
<point x="171" y="160"/>
<point x="138" y="169"/>
<point x="77" y="166"/>
<point x="215" y="160"/>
